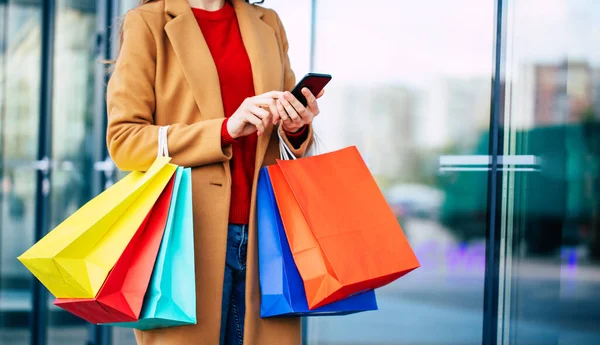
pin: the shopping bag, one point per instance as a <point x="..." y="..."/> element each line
<point x="74" y="259"/>
<point x="342" y="234"/>
<point x="120" y="298"/>
<point x="282" y="290"/>
<point x="171" y="296"/>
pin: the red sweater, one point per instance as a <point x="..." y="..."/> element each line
<point x="222" y="34"/>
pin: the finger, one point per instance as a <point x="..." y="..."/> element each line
<point x="261" y="101"/>
<point x="263" y="114"/>
<point x="300" y="109"/>
<point x="282" y="113"/>
<point x="292" y="113"/>
<point x="258" y="111"/>
<point x="256" y="122"/>
<point x="321" y="94"/>
<point x="274" y="111"/>
<point x="311" y="100"/>
<point x="270" y="94"/>
<point x="266" y="120"/>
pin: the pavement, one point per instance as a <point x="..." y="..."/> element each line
<point x="441" y="303"/>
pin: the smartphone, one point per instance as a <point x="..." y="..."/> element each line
<point x="315" y="82"/>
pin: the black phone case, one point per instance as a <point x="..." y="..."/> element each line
<point x="315" y="82"/>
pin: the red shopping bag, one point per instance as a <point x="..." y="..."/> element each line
<point x="121" y="297"/>
<point x="343" y="235"/>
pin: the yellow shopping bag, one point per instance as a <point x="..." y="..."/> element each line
<point x="74" y="259"/>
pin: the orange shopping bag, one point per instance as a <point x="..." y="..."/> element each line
<point x="342" y="233"/>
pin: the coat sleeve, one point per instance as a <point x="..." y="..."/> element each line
<point x="289" y="81"/>
<point x="131" y="134"/>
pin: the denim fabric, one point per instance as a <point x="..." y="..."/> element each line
<point x="234" y="286"/>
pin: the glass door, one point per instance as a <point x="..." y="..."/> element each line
<point x="20" y="69"/>
<point x="48" y="138"/>
<point x="549" y="286"/>
<point x="412" y="90"/>
<point x="73" y="140"/>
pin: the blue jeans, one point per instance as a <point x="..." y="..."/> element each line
<point x="234" y="286"/>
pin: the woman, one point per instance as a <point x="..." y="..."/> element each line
<point x="212" y="70"/>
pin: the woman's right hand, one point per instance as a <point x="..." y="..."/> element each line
<point x="252" y="116"/>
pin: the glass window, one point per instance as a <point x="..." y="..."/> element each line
<point x="20" y="61"/>
<point x="126" y="5"/>
<point x="72" y="134"/>
<point x="296" y="19"/>
<point x="411" y="89"/>
<point x="550" y="286"/>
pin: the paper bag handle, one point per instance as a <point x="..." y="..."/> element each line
<point x="163" y="146"/>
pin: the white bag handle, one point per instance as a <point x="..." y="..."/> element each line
<point x="163" y="145"/>
<point x="317" y="146"/>
<point x="285" y="153"/>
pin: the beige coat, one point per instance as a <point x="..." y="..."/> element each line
<point x="165" y="75"/>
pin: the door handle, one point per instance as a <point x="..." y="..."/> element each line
<point x="107" y="166"/>
<point x="44" y="165"/>
<point x="529" y="163"/>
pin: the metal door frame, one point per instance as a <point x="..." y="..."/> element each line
<point x="107" y="28"/>
<point x="494" y="200"/>
<point x="39" y="312"/>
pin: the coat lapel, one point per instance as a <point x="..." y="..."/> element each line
<point x="263" y="50"/>
<point x="199" y="68"/>
<point x="195" y="59"/>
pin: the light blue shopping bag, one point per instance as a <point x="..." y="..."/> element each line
<point x="171" y="296"/>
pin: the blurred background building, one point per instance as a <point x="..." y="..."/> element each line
<point x="480" y="120"/>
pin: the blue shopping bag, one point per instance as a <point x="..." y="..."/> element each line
<point x="171" y="296"/>
<point x="282" y="289"/>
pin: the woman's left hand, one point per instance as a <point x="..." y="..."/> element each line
<point x="293" y="114"/>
